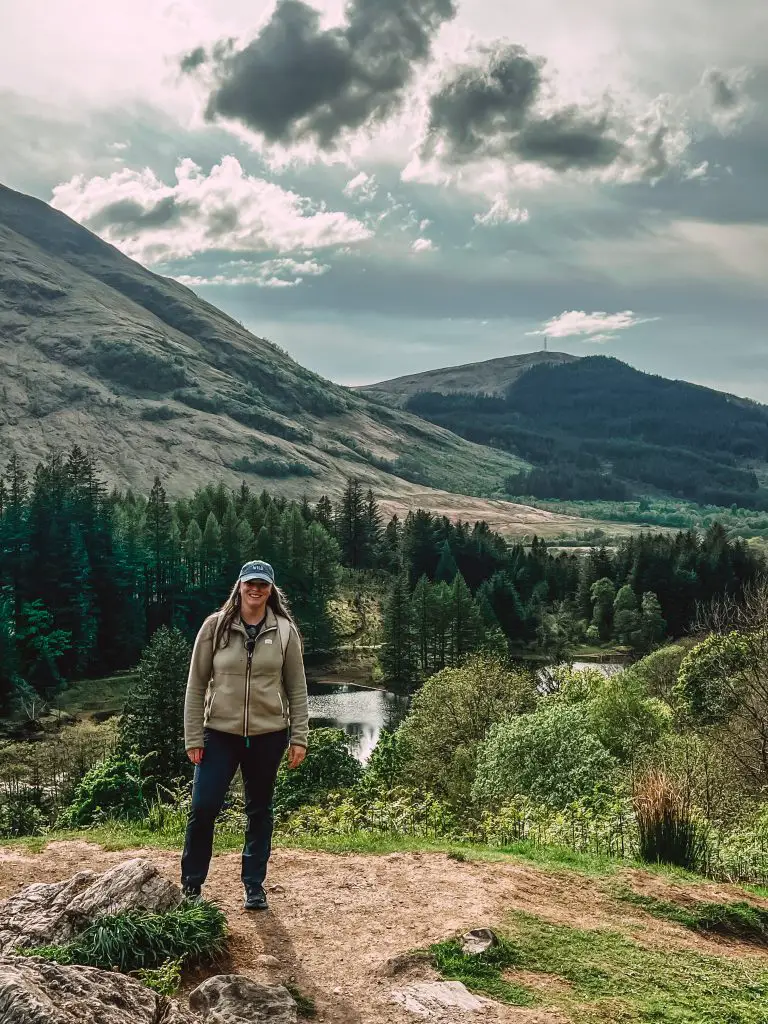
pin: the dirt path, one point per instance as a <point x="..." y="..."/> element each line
<point x="336" y="919"/>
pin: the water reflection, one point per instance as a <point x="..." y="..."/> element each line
<point x="360" y="712"/>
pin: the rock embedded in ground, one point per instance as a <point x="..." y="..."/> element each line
<point x="438" y="1000"/>
<point x="479" y="940"/>
<point x="233" y="999"/>
<point x="49" y="914"/>
<point x="35" y="992"/>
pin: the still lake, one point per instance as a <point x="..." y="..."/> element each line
<point x="362" y="712"/>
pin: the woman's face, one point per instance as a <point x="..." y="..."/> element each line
<point x="254" y="595"/>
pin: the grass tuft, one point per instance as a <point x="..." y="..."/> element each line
<point x="304" y="1004"/>
<point x="482" y="972"/>
<point x="137" y="940"/>
<point x="740" y="920"/>
<point x="165" y="979"/>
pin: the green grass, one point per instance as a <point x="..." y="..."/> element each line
<point x="90" y="696"/>
<point x="304" y="1004"/>
<point x="483" y="972"/>
<point x="116" y="836"/>
<point x="739" y="920"/>
<point x="135" y="940"/>
<point x="609" y="978"/>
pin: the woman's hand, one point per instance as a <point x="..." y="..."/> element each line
<point x="296" y="755"/>
<point x="195" y="754"/>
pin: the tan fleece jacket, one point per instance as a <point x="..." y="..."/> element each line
<point x="222" y="695"/>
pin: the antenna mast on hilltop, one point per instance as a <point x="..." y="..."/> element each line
<point x="545" y="342"/>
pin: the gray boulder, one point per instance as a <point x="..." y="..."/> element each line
<point x="232" y="999"/>
<point x="45" y="914"/>
<point x="35" y="992"/>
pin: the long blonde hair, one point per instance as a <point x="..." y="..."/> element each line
<point x="230" y="610"/>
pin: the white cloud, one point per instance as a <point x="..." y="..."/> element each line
<point x="227" y="209"/>
<point x="277" y="273"/>
<point x="501" y="212"/>
<point x="596" y="327"/>
<point x="423" y="245"/>
<point x="363" y="187"/>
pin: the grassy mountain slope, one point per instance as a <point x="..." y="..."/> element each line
<point x="490" y="377"/>
<point x="595" y="428"/>
<point x="96" y="350"/>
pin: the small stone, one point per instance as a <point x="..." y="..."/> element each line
<point x="277" y="889"/>
<point x="265" y="960"/>
<point x="480" y="940"/>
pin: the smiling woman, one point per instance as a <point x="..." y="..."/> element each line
<point x="246" y="702"/>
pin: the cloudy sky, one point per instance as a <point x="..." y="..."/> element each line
<point x="387" y="186"/>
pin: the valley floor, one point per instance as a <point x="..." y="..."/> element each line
<point x="336" y="919"/>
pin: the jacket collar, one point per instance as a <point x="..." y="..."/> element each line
<point x="271" y="622"/>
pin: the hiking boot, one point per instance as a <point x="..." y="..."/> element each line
<point x="191" y="892"/>
<point x="255" y="898"/>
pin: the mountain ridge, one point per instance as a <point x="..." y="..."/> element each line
<point x="99" y="351"/>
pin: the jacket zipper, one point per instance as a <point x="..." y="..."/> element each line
<point x="248" y="682"/>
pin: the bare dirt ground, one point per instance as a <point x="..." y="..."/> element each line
<point x="335" y="920"/>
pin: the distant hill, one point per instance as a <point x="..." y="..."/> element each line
<point x="595" y="428"/>
<point x="96" y="350"/>
<point x="491" y="377"/>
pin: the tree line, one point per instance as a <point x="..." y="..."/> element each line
<point x="87" y="576"/>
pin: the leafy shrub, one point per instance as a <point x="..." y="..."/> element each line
<point x="669" y="829"/>
<point x="708" y="679"/>
<point x="159" y="413"/>
<point x="138" y="940"/>
<point x="398" y="812"/>
<point x="551" y="756"/>
<point x="451" y="716"/>
<point x="386" y="763"/>
<point x="658" y="671"/>
<point x="22" y="815"/>
<point x="328" y="767"/>
<point x="114" y="788"/>
<point x="272" y="467"/>
<point x="137" y="367"/>
<point x="624" y="719"/>
<point x="165" y="979"/>
<point x="195" y="398"/>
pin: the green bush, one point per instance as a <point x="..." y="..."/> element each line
<point x="138" y="940"/>
<point x="22" y="815"/>
<point x="278" y="468"/>
<point x="137" y="367"/>
<point x="328" y="767"/>
<point x="658" y="671"/>
<point x="451" y="716"/>
<point x="551" y="756"/>
<point x="114" y="788"/>
<point x="160" y="413"/>
<point x="165" y="979"/>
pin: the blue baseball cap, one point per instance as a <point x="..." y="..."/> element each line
<point x="257" y="571"/>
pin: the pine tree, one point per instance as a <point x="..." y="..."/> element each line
<point x="321" y="582"/>
<point x="324" y="514"/>
<point x="8" y="656"/>
<point x="211" y="575"/>
<point x="468" y="631"/>
<point x="351" y="524"/>
<point x="153" y="720"/>
<point x="398" y="654"/>
<point x="159" y="564"/>
<point x="374" y="532"/>
<point x="447" y="569"/>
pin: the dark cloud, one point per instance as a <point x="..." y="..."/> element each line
<point x="489" y="109"/>
<point x="191" y="61"/>
<point x="569" y="139"/>
<point x="486" y="101"/>
<point x="724" y="90"/>
<point x="127" y="213"/>
<point x="297" y="81"/>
